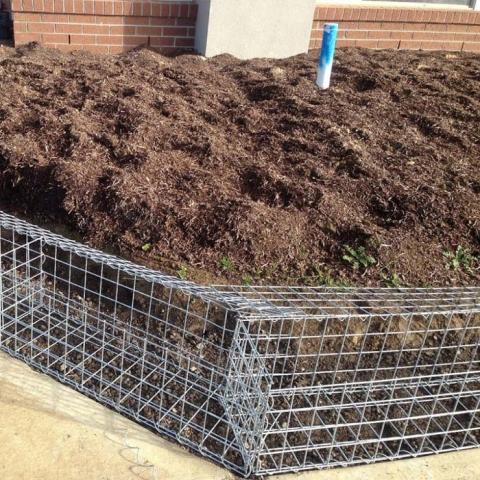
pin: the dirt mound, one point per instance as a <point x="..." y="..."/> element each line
<point x="245" y="170"/>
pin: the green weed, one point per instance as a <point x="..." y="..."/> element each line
<point x="393" y="280"/>
<point x="226" y="264"/>
<point x="358" y="258"/>
<point x="182" y="272"/>
<point x="461" y="259"/>
<point x="147" y="247"/>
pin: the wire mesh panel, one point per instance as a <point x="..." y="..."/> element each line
<point x="259" y="379"/>
<point x="365" y="375"/>
<point x="149" y="345"/>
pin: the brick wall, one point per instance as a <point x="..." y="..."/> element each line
<point x="112" y="26"/>
<point x="400" y="28"/>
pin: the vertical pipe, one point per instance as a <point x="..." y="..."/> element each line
<point x="325" y="61"/>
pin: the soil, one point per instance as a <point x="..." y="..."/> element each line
<point x="245" y="171"/>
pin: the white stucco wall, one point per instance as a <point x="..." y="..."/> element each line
<point x="254" y="28"/>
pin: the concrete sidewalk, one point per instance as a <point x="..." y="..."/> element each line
<point x="50" y="432"/>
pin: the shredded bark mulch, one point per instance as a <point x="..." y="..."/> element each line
<point x="244" y="170"/>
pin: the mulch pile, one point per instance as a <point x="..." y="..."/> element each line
<point x="244" y="170"/>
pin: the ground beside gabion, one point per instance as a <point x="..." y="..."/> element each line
<point x="244" y="171"/>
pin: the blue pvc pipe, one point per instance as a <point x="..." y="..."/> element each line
<point x="327" y="53"/>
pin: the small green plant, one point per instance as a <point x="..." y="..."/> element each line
<point x="321" y="277"/>
<point x="461" y="259"/>
<point x="147" y="247"/>
<point x="182" y="272"/>
<point x="392" y="281"/>
<point x="226" y="264"/>
<point x="358" y="258"/>
<point x="247" y="280"/>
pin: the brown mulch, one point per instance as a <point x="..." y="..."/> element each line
<point x="244" y="170"/>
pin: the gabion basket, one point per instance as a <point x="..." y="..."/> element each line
<point x="259" y="379"/>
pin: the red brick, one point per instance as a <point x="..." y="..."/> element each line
<point x="27" y="5"/>
<point x="114" y="49"/>
<point x="388" y="14"/>
<point x="347" y="14"/>
<point x="55" y="38"/>
<point x="19" y="27"/>
<point x="392" y="25"/>
<point x="185" y="22"/>
<point x="164" y="21"/>
<point x="356" y="34"/>
<point x="81" y="19"/>
<point x="99" y="8"/>
<point x="436" y="27"/>
<point x="183" y="11"/>
<point x="409" y="45"/>
<point x="77" y="6"/>
<point x="95" y="29"/>
<point x="367" y="43"/>
<point x="99" y="49"/>
<point x="54" y="18"/>
<point x="109" y="20"/>
<point x="431" y="45"/>
<point x="67" y="28"/>
<point x="27" y="37"/>
<point x="16" y="5"/>
<point x="137" y="9"/>
<point x="120" y="30"/>
<point x="152" y="31"/>
<point x="162" y="41"/>
<point x="452" y="46"/>
<point x="165" y="11"/>
<point x="109" y="39"/>
<point x="65" y="47"/>
<point x="464" y="37"/>
<point x="433" y="36"/>
<point x="346" y="43"/>
<point x="88" y="7"/>
<point x="82" y="39"/>
<point x="378" y="34"/>
<point x="416" y="27"/>
<point x="38" y="5"/>
<point x="471" y="47"/>
<point x="136" y="20"/>
<point x="175" y="31"/>
<point x="402" y="35"/>
<point x="146" y="9"/>
<point x="396" y="15"/>
<point x="135" y="40"/>
<point x="474" y="28"/>
<point x="69" y="6"/>
<point x="388" y="44"/>
<point x="118" y="8"/>
<point x="58" y="6"/>
<point x="185" y="42"/>
<point x="109" y="8"/>
<point x="128" y="8"/>
<point x="380" y="15"/>
<point x="28" y="17"/>
<point x="41" y="27"/>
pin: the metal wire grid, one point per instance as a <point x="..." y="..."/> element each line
<point x="145" y="344"/>
<point x="260" y="379"/>
<point x="358" y="391"/>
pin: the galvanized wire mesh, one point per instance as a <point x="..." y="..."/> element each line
<point x="259" y="379"/>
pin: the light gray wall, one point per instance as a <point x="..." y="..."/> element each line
<point x="254" y="28"/>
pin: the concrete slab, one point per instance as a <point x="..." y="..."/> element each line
<point x="253" y="28"/>
<point x="48" y="431"/>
